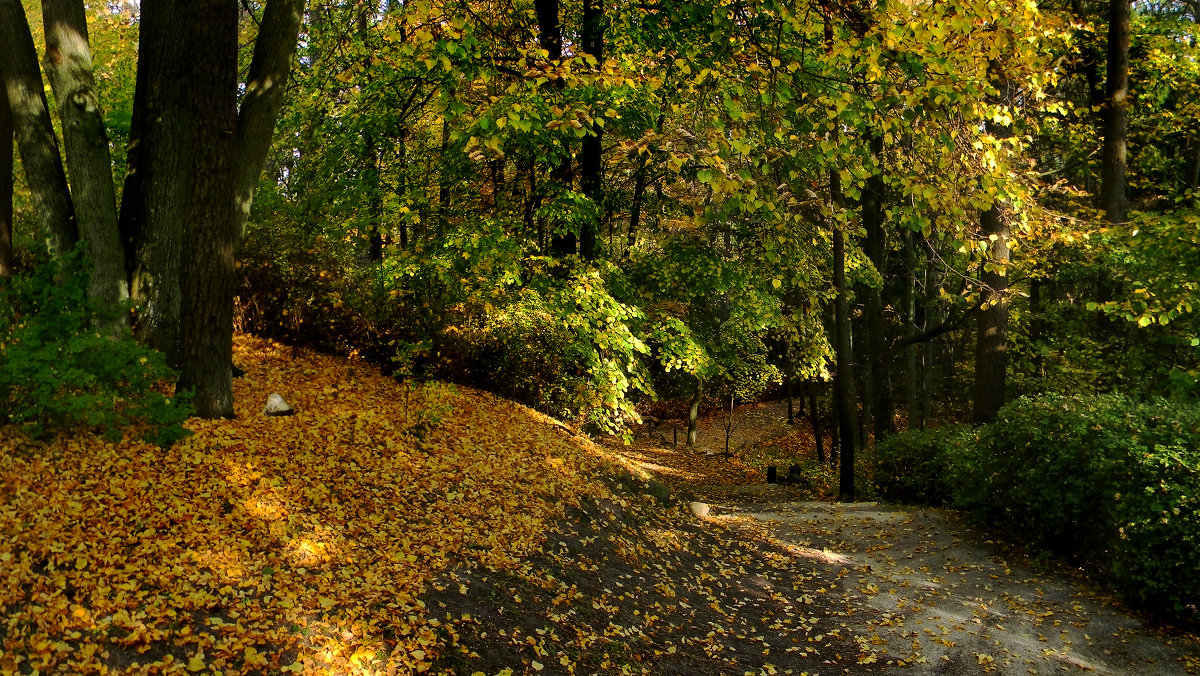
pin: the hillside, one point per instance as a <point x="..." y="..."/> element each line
<point x="385" y="529"/>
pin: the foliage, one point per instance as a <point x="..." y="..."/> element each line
<point x="1103" y="477"/>
<point x="921" y="466"/>
<point x="59" y="372"/>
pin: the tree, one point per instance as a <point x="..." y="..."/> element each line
<point x="34" y="131"/>
<point x="69" y="67"/>
<point x="1116" y="112"/>
<point x="193" y="165"/>
<point x="6" y="182"/>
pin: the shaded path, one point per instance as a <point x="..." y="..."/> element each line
<point x="930" y="593"/>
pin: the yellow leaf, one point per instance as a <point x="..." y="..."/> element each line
<point x="196" y="663"/>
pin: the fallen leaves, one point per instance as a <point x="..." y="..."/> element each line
<point x="261" y="544"/>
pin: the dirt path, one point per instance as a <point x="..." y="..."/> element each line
<point x="924" y="589"/>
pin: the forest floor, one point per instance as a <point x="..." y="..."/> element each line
<point x="388" y="528"/>
<point x="773" y="582"/>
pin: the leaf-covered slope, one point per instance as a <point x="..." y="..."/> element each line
<point x="268" y="544"/>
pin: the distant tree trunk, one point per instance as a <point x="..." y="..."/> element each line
<point x="880" y="389"/>
<point x="562" y="243"/>
<point x="154" y="201"/>
<point x="7" y="145"/>
<point x="444" y="181"/>
<point x="591" y="160"/>
<point x="788" y="385"/>
<point x="34" y="131"/>
<point x="693" y="429"/>
<point x="69" y="67"/>
<point x="1116" y="119"/>
<point x="991" y="346"/>
<point x="208" y="280"/>
<point x="843" y="379"/>
<point x="910" y="311"/>
<point x="265" y="86"/>
<point x="815" y="418"/>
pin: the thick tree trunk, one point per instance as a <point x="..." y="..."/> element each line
<point x="208" y="281"/>
<point x="591" y="161"/>
<point x="154" y="201"/>
<point x="34" y="132"/>
<point x="69" y="67"/>
<point x="1116" y="120"/>
<point x="265" y="86"/>
<point x="991" y="346"/>
<point x="7" y="146"/>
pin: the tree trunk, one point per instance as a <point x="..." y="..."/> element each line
<point x="815" y="419"/>
<point x="910" y="311"/>
<point x="562" y="243"/>
<point x="265" y="86"/>
<point x="693" y="429"/>
<point x="34" y="131"/>
<point x="208" y="281"/>
<point x="881" y="401"/>
<point x="154" y="201"/>
<point x="843" y="386"/>
<point x="591" y="161"/>
<point x="69" y="67"/>
<point x="1116" y="119"/>
<point x="991" y="346"/>
<point x="788" y="378"/>
<point x="6" y="182"/>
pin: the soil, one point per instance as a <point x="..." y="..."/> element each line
<point x="769" y="582"/>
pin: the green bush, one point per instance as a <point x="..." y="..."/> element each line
<point x="921" y="467"/>
<point x="1104" y="478"/>
<point x="59" y="370"/>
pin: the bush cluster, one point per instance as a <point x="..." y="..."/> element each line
<point x="921" y="467"/>
<point x="1103" y="478"/>
<point x="64" y="367"/>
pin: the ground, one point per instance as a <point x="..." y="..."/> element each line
<point x="767" y="582"/>
<point x="397" y="528"/>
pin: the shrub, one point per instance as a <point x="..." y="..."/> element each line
<point x="59" y="371"/>
<point x="1105" y="478"/>
<point x="921" y="467"/>
<point x="1156" y="513"/>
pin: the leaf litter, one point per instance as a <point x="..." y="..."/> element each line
<point x="393" y="529"/>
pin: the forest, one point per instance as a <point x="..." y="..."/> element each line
<point x="961" y="240"/>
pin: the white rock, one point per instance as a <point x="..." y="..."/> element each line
<point x="699" y="509"/>
<point x="277" y="406"/>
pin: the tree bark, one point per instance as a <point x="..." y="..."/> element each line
<point x="591" y="161"/>
<point x="69" y="67"/>
<point x="208" y="280"/>
<point x="34" y="131"/>
<point x="843" y="386"/>
<point x="7" y="145"/>
<point x="693" y="429"/>
<point x="154" y="201"/>
<point x="1116" y="120"/>
<point x="562" y="243"/>
<point x="991" y="345"/>
<point x="882" y="403"/>
<point x="815" y="418"/>
<point x="265" y="87"/>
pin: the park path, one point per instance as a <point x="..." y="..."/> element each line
<point x="925" y="588"/>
